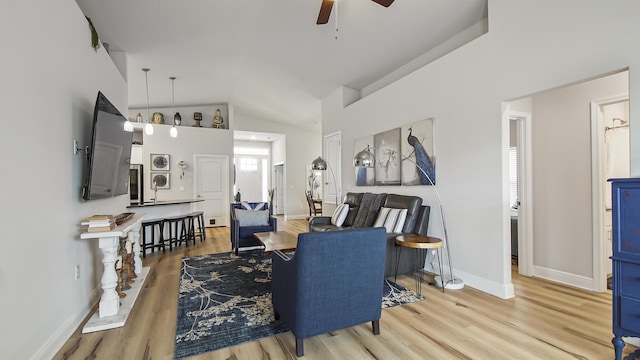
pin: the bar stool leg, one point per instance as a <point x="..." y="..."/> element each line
<point x="202" y="228"/>
<point x="167" y="226"/>
<point x="143" y="248"/>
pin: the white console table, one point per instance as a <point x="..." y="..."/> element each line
<point x="113" y="311"/>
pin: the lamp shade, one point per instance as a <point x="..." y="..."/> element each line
<point x="364" y="158"/>
<point x="319" y="164"/>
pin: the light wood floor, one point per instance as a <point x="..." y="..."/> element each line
<point x="545" y="321"/>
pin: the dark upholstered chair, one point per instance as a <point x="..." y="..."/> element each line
<point x="315" y="207"/>
<point x="333" y="281"/>
<point x="242" y="234"/>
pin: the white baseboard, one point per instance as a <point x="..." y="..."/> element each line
<point x="574" y="280"/>
<point x="55" y="342"/>
<point x="503" y="291"/>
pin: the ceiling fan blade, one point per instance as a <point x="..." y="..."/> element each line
<point x="385" y="3"/>
<point x="325" y="11"/>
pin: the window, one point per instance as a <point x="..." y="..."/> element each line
<point x="248" y="164"/>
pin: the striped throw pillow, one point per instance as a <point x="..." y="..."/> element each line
<point x="392" y="219"/>
<point x="339" y="214"/>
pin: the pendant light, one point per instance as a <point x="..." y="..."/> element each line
<point x="148" y="128"/>
<point x="128" y="126"/>
<point x="176" y="118"/>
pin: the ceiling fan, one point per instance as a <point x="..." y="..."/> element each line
<point x="327" y="5"/>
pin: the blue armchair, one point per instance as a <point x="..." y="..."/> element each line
<point x="333" y="281"/>
<point x="244" y="226"/>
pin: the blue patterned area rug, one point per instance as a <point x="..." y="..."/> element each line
<point x="225" y="300"/>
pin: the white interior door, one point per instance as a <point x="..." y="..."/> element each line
<point x="279" y="186"/>
<point x="250" y="178"/>
<point x="211" y="183"/>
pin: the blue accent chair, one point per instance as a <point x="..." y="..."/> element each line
<point x="333" y="281"/>
<point x="242" y="236"/>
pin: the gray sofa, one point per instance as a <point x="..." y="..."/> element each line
<point x="363" y="212"/>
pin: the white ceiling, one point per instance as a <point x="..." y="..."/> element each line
<point x="270" y="57"/>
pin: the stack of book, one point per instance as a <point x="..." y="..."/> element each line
<point x="101" y="223"/>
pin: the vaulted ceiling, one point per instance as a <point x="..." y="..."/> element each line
<point x="269" y="57"/>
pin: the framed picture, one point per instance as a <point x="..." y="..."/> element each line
<point x="418" y="161"/>
<point x="387" y="153"/>
<point x="159" y="162"/>
<point x="159" y="179"/>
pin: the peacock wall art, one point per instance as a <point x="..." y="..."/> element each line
<point x="417" y="152"/>
<point x="400" y="153"/>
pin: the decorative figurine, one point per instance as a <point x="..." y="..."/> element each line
<point x="177" y="119"/>
<point x="158" y="118"/>
<point x="197" y="116"/>
<point x="218" y="121"/>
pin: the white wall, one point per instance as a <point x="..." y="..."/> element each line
<point x="300" y="148"/>
<point x="190" y="141"/>
<point x="49" y="87"/>
<point x="561" y="174"/>
<point x="464" y="90"/>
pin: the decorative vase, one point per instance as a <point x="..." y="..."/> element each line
<point x="177" y="119"/>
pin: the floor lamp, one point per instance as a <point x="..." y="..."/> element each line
<point x="366" y="159"/>
<point x="322" y="165"/>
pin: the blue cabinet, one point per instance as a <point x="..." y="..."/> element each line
<point x="625" y="195"/>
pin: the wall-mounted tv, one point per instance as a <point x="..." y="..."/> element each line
<point x="109" y="155"/>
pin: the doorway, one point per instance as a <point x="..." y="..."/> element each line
<point x="610" y="133"/>
<point x="520" y="198"/>
<point x="566" y="225"/>
<point x="278" y="206"/>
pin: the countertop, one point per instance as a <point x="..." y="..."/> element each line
<point x="161" y="203"/>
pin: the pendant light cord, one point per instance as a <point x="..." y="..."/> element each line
<point x="146" y="80"/>
<point x="173" y="78"/>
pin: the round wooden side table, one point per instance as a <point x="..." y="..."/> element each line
<point x="422" y="244"/>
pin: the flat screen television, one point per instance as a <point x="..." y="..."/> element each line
<point x="109" y="155"/>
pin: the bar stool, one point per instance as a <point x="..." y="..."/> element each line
<point x="152" y="244"/>
<point x="177" y="227"/>
<point x="200" y="229"/>
<point x="190" y="230"/>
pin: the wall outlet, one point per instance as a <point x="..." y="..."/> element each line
<point x="77" y="272"/>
